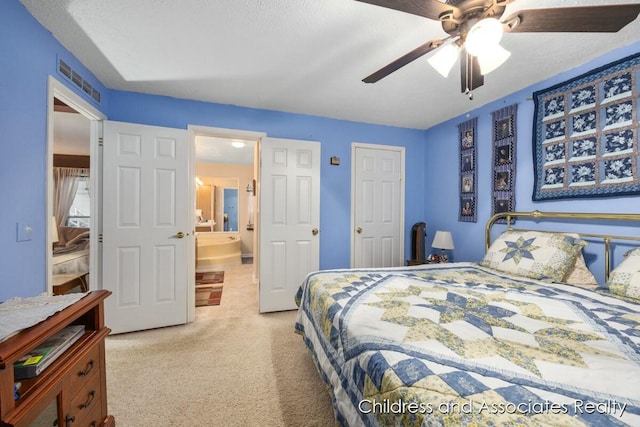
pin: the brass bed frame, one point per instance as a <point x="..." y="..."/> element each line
<point x="581" y="218"/>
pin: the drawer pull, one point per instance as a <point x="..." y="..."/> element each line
<point x="69" y="419"/>
<point x="87" y="370"/>
<point x="86" y="404"/>
<point x="94" y="423"/>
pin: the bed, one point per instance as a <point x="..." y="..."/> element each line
<point x="479" y="344"/>
<point x="71" y="252"/>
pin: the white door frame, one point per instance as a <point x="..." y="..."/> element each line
<point x="401" y="150"/>
<point x="58" y="90"/>
<point x="197" y="130"/>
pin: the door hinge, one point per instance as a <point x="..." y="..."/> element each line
<point x="100" y="141"/>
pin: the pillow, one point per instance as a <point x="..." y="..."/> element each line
<point x="534" y="254"/>
<point x="580" y="275"/>
<point x="625" y="278"/>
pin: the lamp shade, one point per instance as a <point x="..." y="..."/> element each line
<point x="492" y="59"/>
<point x="54" y="230"/>
<point x="444" y="58"/>
<point x="483" y="36"/>
<point x="442" y="240"/>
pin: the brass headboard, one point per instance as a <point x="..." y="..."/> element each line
<point x="582" y="218"/>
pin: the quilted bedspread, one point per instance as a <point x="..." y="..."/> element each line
<point x="459" y="344"/>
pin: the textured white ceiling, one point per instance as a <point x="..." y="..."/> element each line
<point x="300" y="56"/>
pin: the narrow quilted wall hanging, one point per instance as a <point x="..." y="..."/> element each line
<point x="503" y="181"/>
<point x="585" y="139"/>
<point x="468" y="188"/>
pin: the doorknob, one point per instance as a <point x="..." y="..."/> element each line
<point x="179" y="235"/>
<point x="359" y="230"/>
<point x="314" y="231"/>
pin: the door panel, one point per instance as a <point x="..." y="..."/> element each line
<point x="290" y="206"/>
<point x="145" y="209"/>
<point x="378" y="212"/>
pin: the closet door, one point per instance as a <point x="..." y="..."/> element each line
<point x="378" y="206"/>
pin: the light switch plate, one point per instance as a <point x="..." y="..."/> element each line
<point x="23" y="232"/>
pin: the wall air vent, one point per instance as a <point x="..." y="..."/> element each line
<point x="76" y="78"/>
<point x="64" y="69"/>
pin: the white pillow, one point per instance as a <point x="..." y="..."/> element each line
<point x="534" y="254"/>
<point x="625" y="278"/>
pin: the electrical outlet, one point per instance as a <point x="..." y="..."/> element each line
<point x="23" y="232"/>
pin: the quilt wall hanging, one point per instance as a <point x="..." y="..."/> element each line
<point x="585" y="139"/>
<point x="468" y="188"/>
<point x="503" y="182"/>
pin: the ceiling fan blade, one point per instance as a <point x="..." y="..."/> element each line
<point x="431" y="9"/>
<point x="402" y="61"/>
<point x="470" y="75"/>
<point x="583" y="19"/>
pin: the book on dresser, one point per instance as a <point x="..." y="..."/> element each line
<point x="37" y="360"/>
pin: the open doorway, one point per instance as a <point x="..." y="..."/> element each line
<point x="225" y="210"/>
<point x="73" y="199"/>
<point x="71" y="217"/>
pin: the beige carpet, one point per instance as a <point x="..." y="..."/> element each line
<point x="231" y="367"/>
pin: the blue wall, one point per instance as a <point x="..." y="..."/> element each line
<point x="33" y="53"/>
<point x="29" y="55"/>
<point x="441" y="210"/>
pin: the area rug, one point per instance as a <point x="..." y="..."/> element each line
<point x="208" y="294"/>
<point x="209" y="277"/>
<point x="209" y="288"/>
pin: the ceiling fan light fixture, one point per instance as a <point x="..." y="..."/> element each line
<point x="444" y="58"/>
<point x="483" y="36"/>
<point x="492" y="59"/>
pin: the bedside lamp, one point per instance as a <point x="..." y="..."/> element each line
<point x="442" y="240"/>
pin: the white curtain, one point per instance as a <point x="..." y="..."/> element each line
<point x="65" y="186"/>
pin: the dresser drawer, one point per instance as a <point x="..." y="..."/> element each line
<point x="93" y="418"/>
<point x="84" y="370"/>
<point x="86" y="405"/>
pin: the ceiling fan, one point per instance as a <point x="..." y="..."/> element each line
<point x="475" y="28"/>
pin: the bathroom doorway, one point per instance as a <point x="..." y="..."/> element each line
<point x="225" y="170"/>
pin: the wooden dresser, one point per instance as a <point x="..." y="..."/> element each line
<point x="72" y="391"/>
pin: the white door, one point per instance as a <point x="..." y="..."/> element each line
<point x="378" y="206"/>
<point x="145" y="213"/>
<point x="289" y="219"/>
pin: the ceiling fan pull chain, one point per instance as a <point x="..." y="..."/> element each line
<point x="469" y="76"/>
